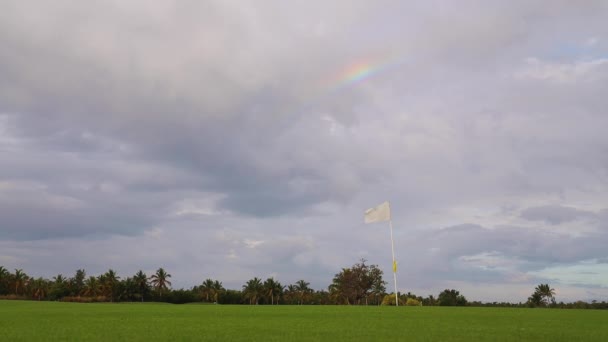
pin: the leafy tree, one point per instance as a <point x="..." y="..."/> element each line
<point x="160" y="281"/>
<point x="429" y="301"/>
<point x="354" y="284"/>
<point x="451" y="298"/>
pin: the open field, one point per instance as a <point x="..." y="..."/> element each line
<point x="38" y="321"/>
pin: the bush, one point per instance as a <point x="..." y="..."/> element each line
<point x="412" y="302"/>
<point x="389" y="299"/>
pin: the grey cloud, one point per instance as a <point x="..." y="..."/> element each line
<point x="115" y="116"/>
<point x="555" y="214"/>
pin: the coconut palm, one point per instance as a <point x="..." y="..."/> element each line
<point x="253" y="290"/>
<point x="303" y="290"/>
<point x="546" y="293"/>
<point x="77" y="283"/>
<point x="272" y="288"/>
<point x="20" y="280"/>
<point x="141" y="281"/>
<point x="39" y="288"/>
<point x="4" y="279"/>
<point x="207" y="290"/>
<point x="160" y="281"/>
<point x="110" y="283"/>
<point x="291" y="294"/>
<point x="92" y="287"/>
<point x="217" y="290"/>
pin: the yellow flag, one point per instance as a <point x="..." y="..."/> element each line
<point x="394" y="266"/>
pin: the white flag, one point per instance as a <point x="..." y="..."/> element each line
<point x="378" y="214"/>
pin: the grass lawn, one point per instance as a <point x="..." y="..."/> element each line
<point x="44" y="321"/>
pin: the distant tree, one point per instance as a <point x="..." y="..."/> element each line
<point x="59" y="287"/>
<point x="378" y="288"/>
<point x="451" y="298"/>
<point x="536" y="299"/>
<point x="429" y="301"/>
<point x="160" y="281"/>
<point x="206" y="290"/>
<point x="39" y="288"/>
<point x="77" y="282"/>
<point x="110" y="284"/>
<point x="92" y="287"/>
<point x="303" y="290"/>
<point x="253" y="290"/>
<point x="5" y="276"/>
<point x="19" y="281"/>
<point x="141" y="281"/>
<point x="128" y="289"/>
<point x="356" y="283"/>
<point x="218" y="289"/>
<point x="542" y="296"/>
<point x="290" y="295"/>
<point x="272" y="288"/>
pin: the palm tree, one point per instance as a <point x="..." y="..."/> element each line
<point x="110" y="282"/>
<point x="91" y="287"/>
<point x="206" y="289"/>
<point x="141" y="281"/>
<point x="303" y="290"/>
<point x="59" y="287"/>
<point x="20" y="279"/>
<point x="291" y="294"/>
<point x="272" y="288"/>
<point x="77" y="283"/>
<point x="253" y="289"/>
<point x="40" y="288"/>
<point x="546" y="293"/>
<point x="217" y="289"/>
<point x="160" y="281"/>
<point x="4" y="278"/>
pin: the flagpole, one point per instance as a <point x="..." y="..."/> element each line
<point x="390" y="223"/>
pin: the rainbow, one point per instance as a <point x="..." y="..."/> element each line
<point x="359" y="71"/>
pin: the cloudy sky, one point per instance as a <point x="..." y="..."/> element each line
<point x="232" y="139"/>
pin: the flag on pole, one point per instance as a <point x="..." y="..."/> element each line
<point x="380" y="213"/>
<point x="394" y="266"/>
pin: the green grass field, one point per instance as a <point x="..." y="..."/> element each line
<point x="43" y="321"/>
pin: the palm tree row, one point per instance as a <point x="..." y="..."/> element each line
<point x="107" y="286"/>
<point x="111" y="287"/>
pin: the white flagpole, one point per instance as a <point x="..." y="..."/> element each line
<point x="390" y="223"/>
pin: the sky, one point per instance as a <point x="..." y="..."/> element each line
<point x="239" y="139"/>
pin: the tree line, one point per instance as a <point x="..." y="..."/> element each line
<point x="360" y="284"/>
